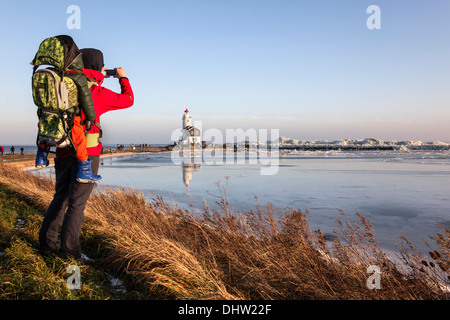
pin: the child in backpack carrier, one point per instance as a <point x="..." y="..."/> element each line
<point x="84" y="172"/>
<point x="73" y="71"/>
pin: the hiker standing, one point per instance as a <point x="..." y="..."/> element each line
<point x="21" y="151"/>
<point x="65" y="127"/>
<point x="12" y="149"/>
<point x="2" y="149"/>
<point x="69" y="194"/>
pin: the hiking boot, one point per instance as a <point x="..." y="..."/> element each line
<point x="84" y="174"/>
<point x="41" y="158"/>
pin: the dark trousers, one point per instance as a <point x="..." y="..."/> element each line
<point x="66" y="211"/>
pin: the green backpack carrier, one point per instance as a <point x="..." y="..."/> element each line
<point x="55" y="95"/>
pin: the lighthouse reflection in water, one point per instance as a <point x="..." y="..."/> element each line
<point x="189" y="165"/>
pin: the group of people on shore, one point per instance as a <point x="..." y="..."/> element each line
<point x="12" y="150"/>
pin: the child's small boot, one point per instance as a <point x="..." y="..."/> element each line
<point x="84" y="174"/>
<point x="41" y="157"/>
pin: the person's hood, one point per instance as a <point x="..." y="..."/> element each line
<point x="72" y="53"/>
<point x="92" y="59"/>
<point x="59" y="51"/>
<point x="95" y="75"/>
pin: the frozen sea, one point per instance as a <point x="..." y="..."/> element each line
<point x="400" y="192"/>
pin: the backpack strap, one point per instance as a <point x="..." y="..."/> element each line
<point x="100" y="127"/>
<point x="91" y="82"/>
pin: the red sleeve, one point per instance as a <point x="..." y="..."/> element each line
<point x="114" y="101"/>
<point x="126" y="89"/>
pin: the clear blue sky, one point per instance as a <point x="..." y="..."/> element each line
<point x="309" y="68"/>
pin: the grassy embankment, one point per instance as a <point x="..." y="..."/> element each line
<point x="162" y="252"/>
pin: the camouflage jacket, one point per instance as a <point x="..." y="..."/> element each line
<point x="84" y="94"/>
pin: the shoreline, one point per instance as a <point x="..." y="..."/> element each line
<point x="26" y="161"/>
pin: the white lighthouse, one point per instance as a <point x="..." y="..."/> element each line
<point x="186" y="122"/>
<point x="191" y="135"/>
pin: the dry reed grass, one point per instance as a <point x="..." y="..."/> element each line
<point x="265" y="253"/>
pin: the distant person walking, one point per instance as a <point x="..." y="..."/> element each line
<point x="71" y="195"/>
<point x="21" y="151"/>
<point x="12" y="149"/>
<point x="2" y="149"/>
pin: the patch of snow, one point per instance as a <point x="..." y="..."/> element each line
<point x="85" y="257"/>
<point x="116" y="284"/>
